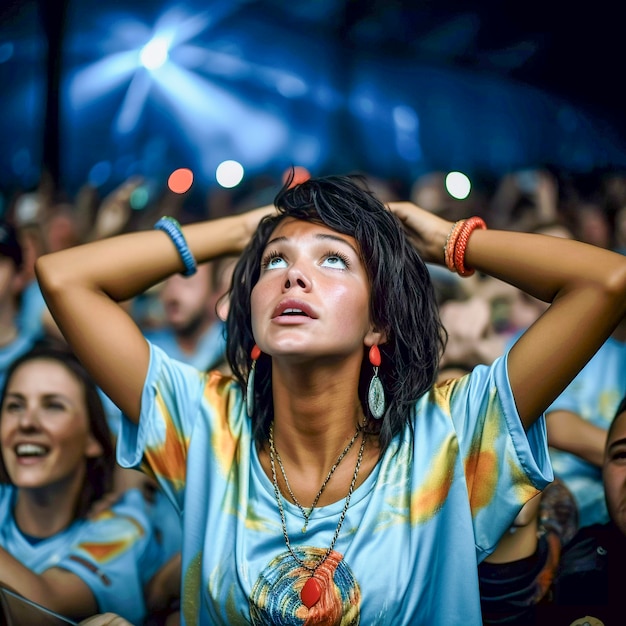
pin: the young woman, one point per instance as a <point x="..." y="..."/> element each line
<point x="57" y="461"/>
<point x="330" y="481"/>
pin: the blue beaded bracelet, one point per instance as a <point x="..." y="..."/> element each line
<point x="171" y="226"/>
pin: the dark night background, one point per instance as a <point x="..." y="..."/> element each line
<point x="389" y="87"/>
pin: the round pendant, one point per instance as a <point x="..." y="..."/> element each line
<point x="311" y="592"/>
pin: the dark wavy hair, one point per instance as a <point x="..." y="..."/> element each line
<point x="402" y="305"/>
<point x="99" y="475"/>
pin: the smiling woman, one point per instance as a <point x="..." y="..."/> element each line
<point x="322" y="480"/>
<point x="56" y="463"/>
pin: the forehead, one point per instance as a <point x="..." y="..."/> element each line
<point x="44" y="375"/>
<point x="291" y="228"/>
<point x="618" y="429"/>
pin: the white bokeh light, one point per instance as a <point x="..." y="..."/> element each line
<point x="229" y="173"/>
<point x="458" y="185"/>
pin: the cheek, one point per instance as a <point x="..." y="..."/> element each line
<point x="258" y="297"/>
<point x="614" y="485"/>
<point x="6" y="427"/>
<point x="352" y="306"/>
<point x="71" y="435"/>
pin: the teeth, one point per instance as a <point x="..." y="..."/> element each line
<point x="293" y="312"/>
<point x="30" y="449"/>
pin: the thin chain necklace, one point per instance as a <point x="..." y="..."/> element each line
<point x="311" y="591"/>
<point x="307" y="514"/>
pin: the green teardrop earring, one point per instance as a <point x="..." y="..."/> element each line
<point x="255" y="354"/>
<point x="376" y="393"/>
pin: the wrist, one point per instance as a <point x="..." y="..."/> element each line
<point x="171" y="227"/>
<point x="456" y="244"/>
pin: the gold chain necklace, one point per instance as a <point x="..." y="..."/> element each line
<point x="307" y="514"/>
<point x="311" y="592"/>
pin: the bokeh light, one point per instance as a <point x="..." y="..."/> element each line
<point x="458" y="185"/>
<point x="300" y="174"/>
<point x="229" y="173"/>
<point x="180" y="180"/>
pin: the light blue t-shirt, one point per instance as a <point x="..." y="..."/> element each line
<point x="407" y="554"/>
<point x="32" y="307"/>
<point x="594" y="395"/>
<point x="115" y="553"/>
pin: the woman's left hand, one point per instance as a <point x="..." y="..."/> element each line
<point x="427" y="232"/>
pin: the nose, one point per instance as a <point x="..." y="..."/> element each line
<point x="28" y="420"/>
<point x="296" y="278"/>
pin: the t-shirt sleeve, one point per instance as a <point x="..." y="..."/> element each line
<point x="116" y="555"/>
<point x="169" y="407"/>
<point x="504" y="465"/>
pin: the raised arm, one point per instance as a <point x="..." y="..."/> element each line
<point x="585" y="285"/>
<point x="84" y="284"/>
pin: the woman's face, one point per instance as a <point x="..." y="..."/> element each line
<point x="313" y="295"/>
<point x="614" y="473"/>
<point x="44" y="426"/>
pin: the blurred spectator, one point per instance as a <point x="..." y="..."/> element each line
<point x="577" y="423"/>
<point x="57" y="463"/>
<point x="620" y="230"/>
<point x="591" y="225"/>
<point x="191" y="332"/>
<point x="524" y="199"/>
<point x="13" y="341"/>
<point x="590" y="577"/>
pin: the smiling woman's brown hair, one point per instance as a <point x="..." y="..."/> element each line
<point x="99" y="474"/>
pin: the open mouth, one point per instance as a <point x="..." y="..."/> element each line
<point x="30" y="450"/>
<point x="294" y="313"/>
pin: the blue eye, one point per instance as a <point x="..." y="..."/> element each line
<point x="336" y="261"/>
<point x="273" y="261"/>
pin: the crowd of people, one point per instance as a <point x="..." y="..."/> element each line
<point x="347" y="406"/>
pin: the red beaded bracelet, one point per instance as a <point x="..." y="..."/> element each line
<point x="448" y="249"/>
<point x="460" y="246"/>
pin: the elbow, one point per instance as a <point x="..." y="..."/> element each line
<point x="615" y="286"/>
<point x="48" y="276"/>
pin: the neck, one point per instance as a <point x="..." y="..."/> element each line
<point x="316" y="409"/>
<point x="46" y="511"/>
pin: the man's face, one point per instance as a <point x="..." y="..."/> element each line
<point x="614" y="472"/>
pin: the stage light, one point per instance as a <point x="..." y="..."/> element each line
<point x="155" y="53"/>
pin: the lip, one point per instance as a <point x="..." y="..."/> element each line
<point x="291" y="303"/>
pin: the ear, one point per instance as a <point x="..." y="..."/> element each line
<point x="375" y="337"/>
<point x="93" y="448"/>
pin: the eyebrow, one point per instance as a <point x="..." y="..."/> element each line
<point x="617" y="443"/>
<point x="45" y="396"/>
<point x="321" y="236"/>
